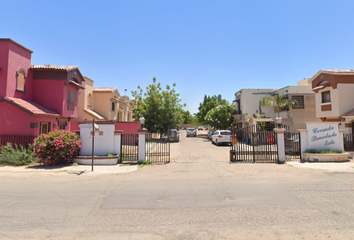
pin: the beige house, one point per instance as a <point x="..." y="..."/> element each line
<point x="249" y="106"/>
<point x="305" y="111"/>
<point x="102" y="104"/>
<point x="334" y="97"/>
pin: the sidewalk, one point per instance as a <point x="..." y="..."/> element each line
<point x="330" y="167"/>
<point x="81" y="169"/>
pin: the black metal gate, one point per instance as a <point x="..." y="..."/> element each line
<point x="129" y="148"/>
<point x="348" y="140"/>
<point x="157" y="149"/>
<point x="252" y="145"/>
<point x="292" y="142"/>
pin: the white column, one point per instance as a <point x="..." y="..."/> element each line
<point x="141" y="145"/>
<point x="341" y="142"/>
<point x="86" y="138"/>
<point x="303" y="141"/>
<point x="117" y="141"/>
<point x="281" y="144"/>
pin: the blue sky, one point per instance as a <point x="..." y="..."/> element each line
<point x="205" y="47"/>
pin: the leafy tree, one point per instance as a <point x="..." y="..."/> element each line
<point x="187" y="117"/>
<point x="161" y="109"/>
<point x="208" y="104"/>
<point x="220" y="116"/>
<point x="278" y="102"/>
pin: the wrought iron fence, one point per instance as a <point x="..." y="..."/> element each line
<point x="348" y="140"/>
<point x="157" y="148"/>
<point x="17" y="139"/>
<point x="129" y="148"/>
<point x="252" y="146"/>
<point x="292" y="144"/>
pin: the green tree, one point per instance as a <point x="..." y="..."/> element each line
<point x="220" y="116"/>
<point x="162" y="109"/>
<point x="186" y="117"/>
<point x="209" y="103"/>
<point x="278" y="102"/>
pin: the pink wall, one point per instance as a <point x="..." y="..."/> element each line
<point x="53" y="94"/>
<point x="4" y="46"/>
<point x="15" y="121"/>
<point x="18" y="58"/>
<point x="127" y="127"/>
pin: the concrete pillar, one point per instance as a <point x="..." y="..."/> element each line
<point x="141" y="145"/>
<point x="341" y="142"/>
<point x="117" y="141"/>
<point x="303" y="141"/>
<point x="281" y="144"/>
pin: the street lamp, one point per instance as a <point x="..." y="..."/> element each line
<point x="278" y="120"/>
<point x="142" y="121"/>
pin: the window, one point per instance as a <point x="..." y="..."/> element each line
<point x="71" y="100"/>
<point x="326" y="97"/>
<point x="62" y="125"/>
<point x="89" y="100"/>
<point x="300" y="102"/>
<point x="21" y="80"/>
<point x="45" y="128"/>
<point x="113" y="106"/>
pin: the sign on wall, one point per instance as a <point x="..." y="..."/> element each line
<point x="323" y="136"/>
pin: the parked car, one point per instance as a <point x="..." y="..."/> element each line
<point x="222" y="137"/>
<point x="292" y="144"/>
<point x="172" y="135"/>
<point x="210" y="133"/>
<point x="191" y="132"/>
<point x="200" y="128"/>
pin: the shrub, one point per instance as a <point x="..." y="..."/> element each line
<point x="323" y="151"/>
<point x="16" y="156"/>
<point x="57" y="147"/>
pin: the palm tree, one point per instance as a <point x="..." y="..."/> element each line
<point x="278" y="102"/>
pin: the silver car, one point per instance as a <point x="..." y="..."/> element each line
<point x="221" y="136"/>
<point x="191" y="132"/>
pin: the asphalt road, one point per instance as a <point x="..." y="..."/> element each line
<point x="199" y="195"/>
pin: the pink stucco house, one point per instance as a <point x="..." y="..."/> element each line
<point x="35" y="99"/>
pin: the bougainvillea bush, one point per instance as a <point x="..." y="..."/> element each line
<point x="57" y="147"/>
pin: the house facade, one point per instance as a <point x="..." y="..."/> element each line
<point x="35" y="99"/>
<point x="249" y="109"/>
<point x="334" y="97"/>
<point x="103" y="104"/>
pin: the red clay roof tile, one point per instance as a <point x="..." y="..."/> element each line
<point x="31" y="107"/>
<point x="349" y="113"/>
<point x="104" y="89"/>
<point x="53" y="67"/>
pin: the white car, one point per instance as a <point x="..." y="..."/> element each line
<point x="221" y="137"/>
<point x="191" y="132"/>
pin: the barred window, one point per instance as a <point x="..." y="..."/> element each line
<point x="300" y="102"/>
<point x="21" y="80"/>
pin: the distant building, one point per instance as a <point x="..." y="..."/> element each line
<point x="249" y="110"/>
<point x="103" y="104"/>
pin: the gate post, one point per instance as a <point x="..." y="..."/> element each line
<point x="141" y="145"/>
<point x="281" y="144"/>
<point x="117" y="148"/>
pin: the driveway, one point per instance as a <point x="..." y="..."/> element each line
<point x="199" y="195"/>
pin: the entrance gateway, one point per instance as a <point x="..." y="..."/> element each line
<point x="258" y="144"/>
<point x="157" y="149"/>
